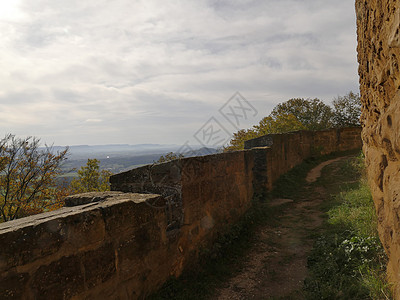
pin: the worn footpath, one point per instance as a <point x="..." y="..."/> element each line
<point x="276" y="265"/>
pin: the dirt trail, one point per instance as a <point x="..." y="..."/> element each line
<point x="276" y="266"/>
<point x="315" y="173"/>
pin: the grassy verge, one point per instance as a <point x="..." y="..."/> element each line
<point x="348" y="261"/>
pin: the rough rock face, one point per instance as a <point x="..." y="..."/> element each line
<point x="378" y="28"/>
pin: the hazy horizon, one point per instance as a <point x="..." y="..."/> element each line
<point x="139" y="72"/>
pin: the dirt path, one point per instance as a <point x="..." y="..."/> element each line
<point x="315" y="173"/>
<point x="276" y="266"/>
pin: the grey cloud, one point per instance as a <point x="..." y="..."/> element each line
<point x="66" y="95"/>
<point x="271" y="62"/>
<point x="167" y="66"/>
<point x="37" y="36"/>
<point x="26" y="96"/>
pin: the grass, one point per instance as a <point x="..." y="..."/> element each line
<point x="348" y="261"/>
<point x="355" y="212"/>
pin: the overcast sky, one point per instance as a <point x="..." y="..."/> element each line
<point x="155" y="71"/>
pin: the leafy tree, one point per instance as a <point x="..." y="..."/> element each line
<point x="313" y="114"/>
<point x="169" y="156"/>
<point x="303" y="114"/>
<point x="28" y="177"/>
<point x="91" y="178"/>
<point x="278" y="124"/>
<point x="237" y="142"/>
<point x="347" y="110"/>
<point x="294" y="114"/>
<point x="268" y="125"/>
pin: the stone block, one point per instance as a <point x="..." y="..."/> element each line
<point x="26" y="244"/>
<point x="85" y="229"/>
<point x="61" y="279"/>
<point x="126" y="217"/>
<point x="99" y="265"/>
<point x="12" y="286"/>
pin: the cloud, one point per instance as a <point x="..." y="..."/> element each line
<point x="93" y="120"/>
<point x="155" y="71"/>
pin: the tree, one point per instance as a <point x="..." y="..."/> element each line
<point x="302" y="114"/>
<point x="28" y="177"/>
<point x="347" y="110"/>
<point x="238" y="139"/>
<point x="278" y="124"/>
<point x="294" y="114"/>
<point x="169" y="156"/>
<point x="313" y="114"/>
<point x="91" y="178"/>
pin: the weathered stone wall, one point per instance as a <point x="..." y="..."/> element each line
<point x="378" y="28"/>
<point x="204" y="194"/>
<point x="99" y="250"/>
<point x="290" y="149"/>
<point x="125" y="245"/>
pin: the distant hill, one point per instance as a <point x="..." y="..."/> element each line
<point x="102" y="151"/>
<point x="119" y="158"/>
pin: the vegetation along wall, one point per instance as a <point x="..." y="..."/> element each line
<point x="124" y="244"/>
<point x="378" y="28"/>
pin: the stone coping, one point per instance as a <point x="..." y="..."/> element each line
<point x="94" y="200"/>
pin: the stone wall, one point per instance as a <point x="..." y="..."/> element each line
<point x="378" y="29"/>
<point x="290" y="149"/>
<point x="100" y="250"/>
<point x="121" y="245"/>
<point x="204" y="194"/>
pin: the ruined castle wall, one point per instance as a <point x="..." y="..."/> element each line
<point x="378" y="29"/>
<point x="127" y="245"/>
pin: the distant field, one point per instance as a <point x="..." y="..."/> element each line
<point x="117" y="162"/>
<point x="113" y="164"/>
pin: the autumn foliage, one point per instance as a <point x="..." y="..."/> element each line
<point x="28" y="178"/>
